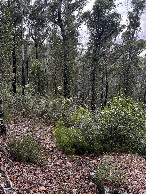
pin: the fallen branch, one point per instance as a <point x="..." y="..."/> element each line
<point x="9" y="185"/>
<point x="4" y="151"/>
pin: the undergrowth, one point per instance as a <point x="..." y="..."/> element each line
<point x="109" y="171"/>
<point x="25" y="150"/>
<point x="120" y="127"/>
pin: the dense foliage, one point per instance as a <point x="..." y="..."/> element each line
<point x="25" y="150"/>
<point x="48" y="108"/>
<point x="109" y="171"/>
<point x="120" y="127"/>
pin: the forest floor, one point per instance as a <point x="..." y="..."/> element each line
<point x="62" y="173"/>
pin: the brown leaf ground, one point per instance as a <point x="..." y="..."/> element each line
<point x="62" y="173"/>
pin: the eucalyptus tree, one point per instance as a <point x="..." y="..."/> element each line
<point x="39" y="28"/>
<point x="140" y="86"/>
<point x="103" y="24"/>
<point x="10" y="20"/>
<point x="65" y="15"/>
<point x="5" y="45"/>
<point x="5" y="56"/>
<point x="38" y="24"/>
<point x="16" y="10"/>
<point x="132" y="47"/>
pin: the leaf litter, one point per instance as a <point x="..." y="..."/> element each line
<point x="61" y="173"/>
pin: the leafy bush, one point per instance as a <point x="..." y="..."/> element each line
<point x="25" y="150"/>
<point x="68" y="138"/>
<point x="109" y="171"/>
<point x="120" y="127"/>
<point x="79" y="134"/>
<point x="59" y="109"/>
<point x="47" y="108"/>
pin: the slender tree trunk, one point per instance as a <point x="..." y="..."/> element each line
<point x="27" y="69"/>
<point x="93" y="72"/>
<point x="102" y="91"/>
<point x="14" y="65"/>
<point x="54" y="82"/>
<point x="65" y="65"/>
<point x="127" y="80"/>
<point x="36" y="50"/>
<point x="66" y="78"/>
<point x="2" y="124"/>
<point x="8" y="3"/>
<point x="22" y="49"/>
<point x="93" y="79"/>
<point x="106" y="87"/>
<point x="66" y="73"/>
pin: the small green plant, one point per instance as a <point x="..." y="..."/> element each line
<point x="25" y="150"/>
<point x="68" y="139"/>
<point x="109" y="172"/>
<point x="78" y="135"/>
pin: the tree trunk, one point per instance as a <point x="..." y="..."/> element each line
<point x="66" y="78"/>
<point x="2" y="124"/>
<point x="22" y="49"/>
<point x="106" y="87"/>
<point x="27" y="70"/>
<point x="93" y="71"/>
<point x="36" y="50"/>
<point x="14" y="66"/>
<point x="65" y="65"/>
<point x="102" y="91"/>
<point x="93" y="79"/>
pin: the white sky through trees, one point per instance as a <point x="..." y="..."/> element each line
<point x="123" y="6"/>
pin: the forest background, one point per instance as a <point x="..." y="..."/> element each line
<point x="83" y="96"/>
<point x="46" y="71"/>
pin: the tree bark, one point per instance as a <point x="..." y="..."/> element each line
<point x="22" y="49"/>
<point x="65" y="66"/>
<point x="93" y="72"/>
<point x="93" y="77"/>
<point x="14" y="66"/>
<point x="36" y="50"/>
<point x="2" y="124"/>
<point x="27" y="70"/>
<point x="106" y="87"/>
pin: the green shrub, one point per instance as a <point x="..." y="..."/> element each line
<point x="38" y="77"/>
<point x="109" y="171"/>
<point x="120" y="127"/>
<point x="59" y="109"/>
<point x="25" y="150"/>
<point x="67" y="138"/>
<point x="79" y="135"/>
<point x="47" y="108"/>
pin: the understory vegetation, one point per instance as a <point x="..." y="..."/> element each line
<point x="25" y="150"/>
<point x="119" y="127"/>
